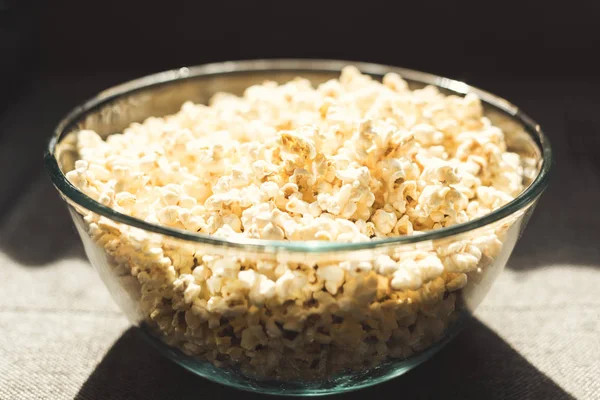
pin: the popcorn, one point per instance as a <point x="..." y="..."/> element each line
<point x="264" y="290"/>
<point x="290" y="285"/>
<point x="384" y="221"/>
<point x="407" y="276"/>
<point x="333" y="276"/>
<point x="349" y="161"/>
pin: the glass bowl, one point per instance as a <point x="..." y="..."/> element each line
<point x="314" y="345"/>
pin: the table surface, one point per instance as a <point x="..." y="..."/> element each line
<point x="536" y="335"/>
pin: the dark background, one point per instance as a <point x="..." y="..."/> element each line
<point x="463" y="39"/>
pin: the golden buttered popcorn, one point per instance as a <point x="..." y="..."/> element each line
<point x="348" y="161"/>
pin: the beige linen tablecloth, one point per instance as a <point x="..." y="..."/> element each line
<point x="536" y="335"/>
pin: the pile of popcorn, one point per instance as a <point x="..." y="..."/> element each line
<point x="351" y="160"/>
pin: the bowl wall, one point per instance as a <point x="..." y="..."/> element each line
<point x="393" y="335"/>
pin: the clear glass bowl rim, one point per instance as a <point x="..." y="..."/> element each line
<point x="68" y="191"/>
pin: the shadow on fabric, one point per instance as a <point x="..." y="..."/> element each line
<point x="39" y="229"/>
<point x="559" y="233"/>
<point x="478" y="364"/>
<point x="564" y="227"/>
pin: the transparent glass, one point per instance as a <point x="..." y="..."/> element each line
<point x="316" y="343"/>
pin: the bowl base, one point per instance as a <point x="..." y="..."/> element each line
<point x="341" y="383"/>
